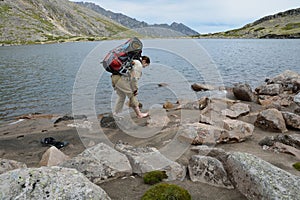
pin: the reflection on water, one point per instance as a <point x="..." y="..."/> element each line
<point x="41" y="78"/>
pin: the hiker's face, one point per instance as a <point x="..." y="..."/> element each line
<point x="145" y="64"/>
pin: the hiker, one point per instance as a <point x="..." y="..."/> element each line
<point x="128" y="86"/>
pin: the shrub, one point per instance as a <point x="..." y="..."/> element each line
<point x="297" y="166"/>
<point x="165" y="191"/>
<point x="154" y="177"/>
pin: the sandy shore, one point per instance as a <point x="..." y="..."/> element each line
<point x="20" y="141"/>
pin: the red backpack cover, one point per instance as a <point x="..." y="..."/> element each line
<point x="119" y="60"/>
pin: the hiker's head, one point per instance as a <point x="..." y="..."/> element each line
<point x="145" y="61"/>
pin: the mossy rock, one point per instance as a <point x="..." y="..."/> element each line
<point x="165" y="191"/>
<point x="154" y="177"/>
<point x="297" y="166"/>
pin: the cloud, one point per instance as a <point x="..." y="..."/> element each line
<point x="203" y="15"/>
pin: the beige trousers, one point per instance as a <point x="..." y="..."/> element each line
<point x="123" y="88"/>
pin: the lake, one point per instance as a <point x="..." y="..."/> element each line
<point x="68" y="77"/>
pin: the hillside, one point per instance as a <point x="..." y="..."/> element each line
<point x="281" y="25"/>
<point x="36" y="21"/>
<point x="151" y="30"/>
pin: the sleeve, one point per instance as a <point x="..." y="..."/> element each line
<point x="136" y="74"/>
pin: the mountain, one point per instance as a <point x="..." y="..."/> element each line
<point x="36" y="21"/>
<point x="281" y="25"/>
<point x="152" y="30"/>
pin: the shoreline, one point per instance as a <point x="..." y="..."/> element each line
<point x="22" y="141"/>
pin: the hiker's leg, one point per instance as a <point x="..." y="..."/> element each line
<point x="120" y="101"/>
<point x="133" y="102"/>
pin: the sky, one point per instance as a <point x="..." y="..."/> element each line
<point x="203" y="16"/>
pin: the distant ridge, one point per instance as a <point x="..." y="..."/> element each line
<point x="281" y="25"/>
<point x="40" y="21"/>
<point x="136" y="25"/>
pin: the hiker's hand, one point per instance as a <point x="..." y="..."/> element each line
<point x="135" y="92"/>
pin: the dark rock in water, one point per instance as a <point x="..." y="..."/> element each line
<point x="68" y="117"/>
<point x="201" y="87"/>
<point x="108" y="122"/>
<point x="162" y="85"/>
<point x="244" y="92"/>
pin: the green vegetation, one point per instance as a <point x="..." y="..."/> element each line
<point x="291" y="26"/>
<point x="259" y="29"/>
<point x="5" y="8"/>
<point x="154" y="177"/>
<point x="297" y="166"/>
<point x="165" y="191"/>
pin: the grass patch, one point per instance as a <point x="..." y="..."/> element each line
<point x="165" y="191"/>
<point x="154" y="177"/>
<point x="291" y="26"/>
<point x="259" y="29"/>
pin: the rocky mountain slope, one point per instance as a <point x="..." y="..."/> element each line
<point x="35" y="21"/>
<point x="157" y="30"/>
<point x="281" y="25"/>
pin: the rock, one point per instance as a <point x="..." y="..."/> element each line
<point x="206" y="120"/>
<point x="198" y="133"/>
<point x="7" y="165"/>
<point x="297" y="99"/>
<point x="291" y="140"/>
<point x="168" y="105"/>
<point x="271" y="120"/>
<point x="100" y="163"/>
<point x="53" y="157"/>
<point x="244" y="92"/>
<point x="236" y="110"/>
<point x="108" y="122"/>
<point x="288" y="79"/>
<point x="146" y="159"/>
<point x="162" y="85"/>
<point x="157" y="119"/>
<point x="258" y="179"/>
<point x="286" y="149"/>
<point x="208" y="170"/>
<point x="48" y="183"/>
<point x="204" y="150"/>
<point x="291" y="119"/>
<point x="68" y="117"/>
<point x="271" y="89"/>
<point x="202" y="87"/>
<point x="238" y="130"/>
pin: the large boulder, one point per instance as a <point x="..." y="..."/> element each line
<point x="291" y="119"/>
<point x="236" y="110"/>
<point x="146" y="159"/>
<point x="7" y="165"/>
<point x="238" y="130"/>
<point x="244" y="92"/>
<point x="271" y="89"/>
<point x="48" y="183"/>
<point x="271" y="120"/>
<point x="100" y="163"/>
<point x="288" y="79"/>
<point x="232" y="131"/>
<point x="258" y="179"/>
<point x="206" y="169"/>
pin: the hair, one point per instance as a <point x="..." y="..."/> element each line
<point x="146" y="58"/>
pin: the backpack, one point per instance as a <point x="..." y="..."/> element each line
<point x="119" y="60"/>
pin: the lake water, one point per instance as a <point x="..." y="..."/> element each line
<point x="68" y="77"/>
